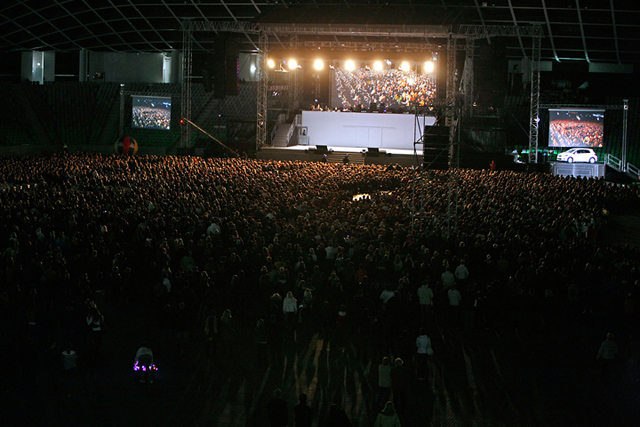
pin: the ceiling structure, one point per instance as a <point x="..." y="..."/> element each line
<point x="598" y="31"/>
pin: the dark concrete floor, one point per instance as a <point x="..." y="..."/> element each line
<point x="501" y="374"/>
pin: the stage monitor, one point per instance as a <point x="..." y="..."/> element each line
<point x="151" y="112"/>
<point x="576" y="128"/>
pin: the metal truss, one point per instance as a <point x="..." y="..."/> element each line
<point x="263" y="84"/>
<point x="468" y="76"/>
<point x="583" y="106"/>
<point x="480" y="31"/>
<point x="370" y="46"/>
<point x="293" y="75"/>
<point x="534" y="119"/>
<point x="187" y="69"/>
<point x="451" y="78"/>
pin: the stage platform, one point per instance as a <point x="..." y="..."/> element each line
<point x="311" y="153"/>
<point x="586" y="170"/>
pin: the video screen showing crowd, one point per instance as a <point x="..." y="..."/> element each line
<point x="393" y="88"/>
<point x="576" y="128"/>
<point x="151" y="112"/>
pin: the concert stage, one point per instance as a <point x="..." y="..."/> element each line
<point x="371" y="138"/>
<point x="586" y="170"/>
<point x="311" y="153"/>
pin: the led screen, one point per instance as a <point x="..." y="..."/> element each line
<point x="150" y="112"/>
<point x="576" y="128"/>
<point x="392" y="87"/>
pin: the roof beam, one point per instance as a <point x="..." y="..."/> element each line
<point x="25" y="4"/>
<point x="584" y="40"/>
<point x="482" y="19"/>
<point x="546" y="17"/>
<point x="515" y="22"/>
<point x="615" y="31"/>
<point x="150" y="25"/>
<point x="124" y="17"/>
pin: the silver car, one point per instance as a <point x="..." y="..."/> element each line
<point x="578" y="155"/>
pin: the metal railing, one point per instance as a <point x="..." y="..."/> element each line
<point x="613" y="162"/>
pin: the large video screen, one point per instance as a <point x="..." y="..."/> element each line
<point x="394" y="88"/>
<point x="151" y="112"/>
<point x="576" y="128"/>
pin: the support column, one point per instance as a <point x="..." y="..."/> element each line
<point x="263" y="84"/>
<point x="293" y="44"/>
<point x="625" y="120"/>
<point x="451" y="78"/>
<point x="185" y="129"/>
<point x="469" y="76"/>
<point x="84" y="61"/>
<point x="534" y="122"/>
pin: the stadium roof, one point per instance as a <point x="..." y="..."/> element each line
<point x="574" y="30"/>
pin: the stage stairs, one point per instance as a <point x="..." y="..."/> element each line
<point x="338" y="156"/>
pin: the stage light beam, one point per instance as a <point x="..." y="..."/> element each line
<point x="271" y="63"/>
<point x="428" y="67"/>
<point x="293" y="64"/>
<point x="318" y="64"/>
<point x="405" y="66"/>
<point x="377" y="66"/>
<point x="350" y="65"/>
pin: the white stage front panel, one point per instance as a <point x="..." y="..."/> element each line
<point x="378" y="130"/>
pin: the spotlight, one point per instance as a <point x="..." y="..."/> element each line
<point x="428" y="67"/>
<point x="318" y="64"/>
<point x="293" y="64"/>
<point x="405" y="66"/>
<point x="350" y="65"/>
<point x="271" y="63"/>
<point x="377" y="66"/>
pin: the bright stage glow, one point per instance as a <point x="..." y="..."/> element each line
<point x="318" y="64"/>
<point x="350" y="65"/>
<point x="271" y="63"/>
<point x="377" y="66"/>
<point x="405" y="66"/>
<point x="428" y="67"/>
<point x="252" y="68"/>
<point x="293" y="64"/>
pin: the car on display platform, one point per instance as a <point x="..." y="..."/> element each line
<point x="585" y="155"/>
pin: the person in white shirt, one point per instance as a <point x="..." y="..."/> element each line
<point x="423" y="343"/>
<point x="289" y="308"/>
<point x="387" y="294"/>
<point x="461" y="273"/>
<point x="447" y="278"/>
<point x="425" y="297"/>
<point x="454" y="304"/>
<point x="144" y="363"/>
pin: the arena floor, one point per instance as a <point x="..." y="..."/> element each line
<point x="524" y="374"/>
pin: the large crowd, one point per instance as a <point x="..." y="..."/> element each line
<point x="573" y="133"/>
<point x="205" y="242"/>
<point x="151" y="118"/>
<point x="392" y="88"/>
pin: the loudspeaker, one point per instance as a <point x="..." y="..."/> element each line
<point x="231" y="68"/>
<point x="322" y="149"/>
<point x="491" y="72"/>
<point x="206" y="80"/>
<point x="219" y="67"/>
<point x="373" y="151"/>
<point x="436" y="130"/>
<point x="441" y="74"/>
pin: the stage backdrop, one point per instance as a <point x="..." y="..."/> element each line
<point x="379" y="130"/>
